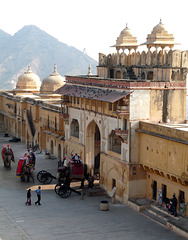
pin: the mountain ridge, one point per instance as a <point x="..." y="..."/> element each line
<point x="33" y="46"/>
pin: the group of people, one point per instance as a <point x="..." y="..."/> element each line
<point x="38" y="192"/>
<point x="76" y="158"/>
<point x="66" y="161"/>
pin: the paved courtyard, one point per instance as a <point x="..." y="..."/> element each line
<point x="71" y="218"/>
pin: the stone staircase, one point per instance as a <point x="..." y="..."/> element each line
<point x="160" y="214"/>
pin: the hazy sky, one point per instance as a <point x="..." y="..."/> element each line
<point x="96" y="24"/>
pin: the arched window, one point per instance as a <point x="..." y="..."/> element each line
<point x="150" y="75"/>
<point x="75" y="128"/>
<point x="143" y="76"/>
<point x="114" y="143"/>
<point x="124" y="75"/>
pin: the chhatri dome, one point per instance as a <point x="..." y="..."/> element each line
<point x="126" y="40"/>
<point x="160" y="37"/>
<point x="28" y="81"/>
<point x="52" y="82"/>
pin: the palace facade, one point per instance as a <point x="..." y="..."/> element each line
<point x="128" y="123"/>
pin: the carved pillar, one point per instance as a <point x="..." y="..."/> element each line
<point x="149" y="56"/>
<point x="162" y="55"/>
<point x="135" y="55"/>
<point x="118" y="59"/>
<point x="123" y="61"/>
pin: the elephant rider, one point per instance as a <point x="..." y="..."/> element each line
<point x="30" y="159"/>
<point x="30" y="162"/>
<point x="76" y="158"/>
<point x="63" y="169"/>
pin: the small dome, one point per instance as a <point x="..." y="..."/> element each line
<point x="126" y="40"/>
<point x="160" y="37"/>
<point x="159" y="28"/>
<point x="126" y="32"/>
<point x="52" y="82"/>
<point x="28" y="81"/>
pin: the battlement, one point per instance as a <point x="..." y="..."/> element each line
<point x="172" y="59"/>
<point x="158" y="66"/>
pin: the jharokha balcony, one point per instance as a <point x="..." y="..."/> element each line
<point x="65" y="116"/>
<point x="123" y="134"/>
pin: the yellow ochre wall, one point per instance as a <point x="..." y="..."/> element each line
<point x="165" y="155"/>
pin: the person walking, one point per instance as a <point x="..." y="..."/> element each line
<point x="38" y="196"/>
<point x="174" y="205"/>
<point x="28" y="202"/>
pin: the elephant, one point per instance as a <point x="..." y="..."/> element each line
<point x="27" y="173"/>
<point x="76" y="171"/>
<point x="26" y="166"/>
<point x="7" y="156"/>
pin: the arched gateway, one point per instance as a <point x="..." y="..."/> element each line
<point x="93" y="147"/>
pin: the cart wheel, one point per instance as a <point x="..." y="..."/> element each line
<point x="57" y="187"/>
<point x="40" y="174"/>
<point x="64" y="191"/>
<point x="44" y="177"/>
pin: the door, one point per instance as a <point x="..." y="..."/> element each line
<point x="154" y="189"/>
<point x="164" y="190"/>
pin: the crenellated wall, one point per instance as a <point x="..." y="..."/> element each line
<point x="175" y="58"/>
<point x="158" y="66"/>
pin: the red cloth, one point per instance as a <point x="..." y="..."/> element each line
<point x="3" y="151"/>
<point x="21" y="164"/>
<point x="76" y="170"/>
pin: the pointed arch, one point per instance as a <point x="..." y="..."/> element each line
<point x="93" y="147"/>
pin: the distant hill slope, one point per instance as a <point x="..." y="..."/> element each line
<point x="32" y="46"/>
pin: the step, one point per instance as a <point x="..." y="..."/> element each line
<point x="164" y="211"/>
<point x="157" y="213"/>
<point x="153" y="217"/>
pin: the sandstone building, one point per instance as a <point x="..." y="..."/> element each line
<point x="128" y="123"/>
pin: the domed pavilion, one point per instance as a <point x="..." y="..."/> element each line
<point x="160" y="37"/>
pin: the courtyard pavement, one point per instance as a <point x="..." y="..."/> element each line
<point x="72" y="218"/>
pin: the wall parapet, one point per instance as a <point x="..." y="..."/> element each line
<point x="172" y="58"/>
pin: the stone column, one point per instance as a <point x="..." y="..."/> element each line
<point x="162" y="47"/>
<point x="118" y="60"/>
<point x="149" y="56"/>
<point x="135" y="57"/>
<point x="123" y="61"/>
<point x="129" y="57"/>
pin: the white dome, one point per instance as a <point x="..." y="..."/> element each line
<point x="159" y="28"/>
<point x="28" y="81"/>
<point x="52" y="82"/>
